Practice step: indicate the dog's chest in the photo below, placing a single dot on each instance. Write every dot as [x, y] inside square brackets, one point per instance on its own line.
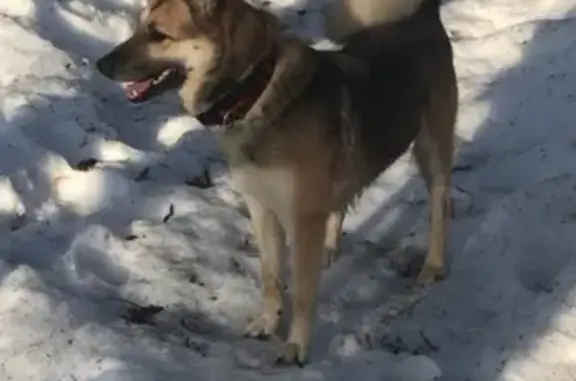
[273, 188]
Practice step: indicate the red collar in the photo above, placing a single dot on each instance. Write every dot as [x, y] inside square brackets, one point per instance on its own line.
[235, 104]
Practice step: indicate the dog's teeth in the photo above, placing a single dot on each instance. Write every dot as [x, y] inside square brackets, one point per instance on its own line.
[161, 77]
[126, 85]
[133, 94]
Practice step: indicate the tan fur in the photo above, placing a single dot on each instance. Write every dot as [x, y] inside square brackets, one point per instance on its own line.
[197, 54]
[324, 128]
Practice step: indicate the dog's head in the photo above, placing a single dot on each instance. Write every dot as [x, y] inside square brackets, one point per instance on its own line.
[190, 45]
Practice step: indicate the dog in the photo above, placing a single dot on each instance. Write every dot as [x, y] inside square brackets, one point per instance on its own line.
[305, 131]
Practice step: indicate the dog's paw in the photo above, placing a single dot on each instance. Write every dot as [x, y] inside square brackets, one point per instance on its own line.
[263, 326]
[430, 273]
[292, 354]
[330, 257]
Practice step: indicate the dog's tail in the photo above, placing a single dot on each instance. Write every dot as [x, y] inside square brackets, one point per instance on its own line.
[344, 17]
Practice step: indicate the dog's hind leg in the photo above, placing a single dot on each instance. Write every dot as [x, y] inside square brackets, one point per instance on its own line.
[436, 173]
[333, 235]
[434, 150]
[270, 239]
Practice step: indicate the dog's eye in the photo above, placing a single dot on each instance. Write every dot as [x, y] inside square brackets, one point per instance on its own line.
[156, 35]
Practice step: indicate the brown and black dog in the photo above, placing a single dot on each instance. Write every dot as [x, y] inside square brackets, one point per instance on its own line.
[305, 131]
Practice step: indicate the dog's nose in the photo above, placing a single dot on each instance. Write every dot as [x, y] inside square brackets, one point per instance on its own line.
[105, 67]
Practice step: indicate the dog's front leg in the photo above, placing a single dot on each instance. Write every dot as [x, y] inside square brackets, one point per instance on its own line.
[270, 239]
[309, 236]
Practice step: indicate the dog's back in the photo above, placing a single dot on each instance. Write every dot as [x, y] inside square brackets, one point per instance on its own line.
[397, 79]
[410, 96]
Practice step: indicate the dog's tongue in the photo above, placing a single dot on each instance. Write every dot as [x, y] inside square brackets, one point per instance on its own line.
[136, 89]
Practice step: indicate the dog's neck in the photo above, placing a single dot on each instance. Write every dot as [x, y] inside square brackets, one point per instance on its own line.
[235, 102]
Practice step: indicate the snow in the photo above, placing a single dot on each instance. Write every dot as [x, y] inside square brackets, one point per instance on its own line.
[88, 245]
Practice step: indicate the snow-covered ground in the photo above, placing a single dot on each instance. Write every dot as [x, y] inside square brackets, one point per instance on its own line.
[124, 253]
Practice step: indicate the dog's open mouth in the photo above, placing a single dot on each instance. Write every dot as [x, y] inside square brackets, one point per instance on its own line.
[145, 89]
